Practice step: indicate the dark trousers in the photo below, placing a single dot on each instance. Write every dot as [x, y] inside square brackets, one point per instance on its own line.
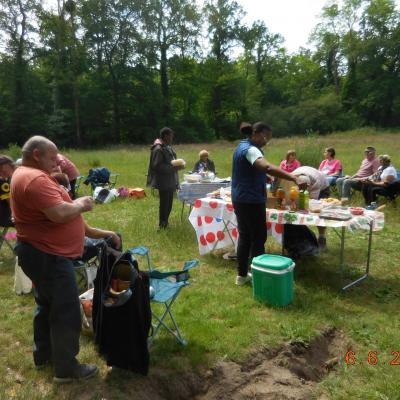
[370, 192]
[57, 319]
[166, 200]
[252, 228]
[72, 191]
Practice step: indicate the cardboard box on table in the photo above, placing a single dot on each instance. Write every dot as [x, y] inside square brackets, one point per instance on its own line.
[272, 201]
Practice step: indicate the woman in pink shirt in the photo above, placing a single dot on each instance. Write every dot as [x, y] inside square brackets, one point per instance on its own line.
[291, 163]
[66, 166]
[331, 167]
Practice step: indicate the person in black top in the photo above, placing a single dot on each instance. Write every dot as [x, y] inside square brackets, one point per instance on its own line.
[162, 175]
[204, 164]
[7, 167]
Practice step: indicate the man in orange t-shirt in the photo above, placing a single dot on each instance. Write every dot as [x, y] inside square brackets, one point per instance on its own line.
[50, 232]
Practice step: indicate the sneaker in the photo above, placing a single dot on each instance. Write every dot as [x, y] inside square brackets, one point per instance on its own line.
[242, 280]
[80, 372]
[372, 206]
[322, 243]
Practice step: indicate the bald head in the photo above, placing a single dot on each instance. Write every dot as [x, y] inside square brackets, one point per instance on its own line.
[40, 152]
[39, 143]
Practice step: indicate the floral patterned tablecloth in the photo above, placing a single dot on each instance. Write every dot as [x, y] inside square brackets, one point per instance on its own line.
[215, 223]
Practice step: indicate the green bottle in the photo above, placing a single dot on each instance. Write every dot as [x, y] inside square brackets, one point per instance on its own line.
[306, 199]
[301, 200]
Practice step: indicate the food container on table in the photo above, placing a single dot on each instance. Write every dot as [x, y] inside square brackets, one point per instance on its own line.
[192, 178]
[207, 177]
[357, 210]
[315, 206]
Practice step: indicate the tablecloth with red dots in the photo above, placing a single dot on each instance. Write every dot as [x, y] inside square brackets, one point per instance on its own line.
[215, 224]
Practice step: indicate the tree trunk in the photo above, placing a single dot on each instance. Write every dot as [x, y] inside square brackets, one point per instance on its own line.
[164, 84]
[77, 114]
[116, 110]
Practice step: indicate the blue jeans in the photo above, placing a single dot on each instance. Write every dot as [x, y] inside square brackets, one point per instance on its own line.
[57, 319]
[332, 180]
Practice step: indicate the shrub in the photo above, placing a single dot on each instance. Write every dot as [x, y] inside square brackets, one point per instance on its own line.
[309, 151]
[14, 151]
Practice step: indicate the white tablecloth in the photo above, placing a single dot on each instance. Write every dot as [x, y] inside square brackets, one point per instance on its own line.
[189, 192]
[215, 223]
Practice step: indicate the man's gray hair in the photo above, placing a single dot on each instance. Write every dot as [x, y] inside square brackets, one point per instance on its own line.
[40, 143]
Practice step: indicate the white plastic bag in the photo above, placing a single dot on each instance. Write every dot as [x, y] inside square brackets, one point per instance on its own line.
[22, 284]
[104, 195]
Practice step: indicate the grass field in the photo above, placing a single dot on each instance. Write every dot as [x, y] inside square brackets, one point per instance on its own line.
[220, 320]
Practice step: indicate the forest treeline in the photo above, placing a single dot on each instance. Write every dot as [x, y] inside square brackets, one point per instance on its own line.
[97, 72]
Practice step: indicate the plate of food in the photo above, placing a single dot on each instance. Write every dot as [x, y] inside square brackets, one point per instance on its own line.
[179, 162]
[330, 201]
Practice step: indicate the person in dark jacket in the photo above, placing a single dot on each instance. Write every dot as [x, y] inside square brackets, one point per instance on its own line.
[249, 169]
[162, 174]
[204, 164]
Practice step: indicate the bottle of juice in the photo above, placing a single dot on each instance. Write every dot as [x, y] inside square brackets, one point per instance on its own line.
[280, 194]
[294, 198]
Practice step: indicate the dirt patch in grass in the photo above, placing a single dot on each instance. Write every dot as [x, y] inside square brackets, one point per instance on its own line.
[291, 372]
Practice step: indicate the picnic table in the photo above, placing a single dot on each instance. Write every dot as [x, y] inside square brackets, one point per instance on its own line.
[215, 224]
[189, 192]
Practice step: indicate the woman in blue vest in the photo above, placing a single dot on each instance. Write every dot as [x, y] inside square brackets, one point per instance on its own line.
[249, 169]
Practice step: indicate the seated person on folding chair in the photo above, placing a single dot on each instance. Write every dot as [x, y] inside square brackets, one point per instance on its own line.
[330, 166]
[378, 182]
[7, 168]
[369, 166]
[67, 167]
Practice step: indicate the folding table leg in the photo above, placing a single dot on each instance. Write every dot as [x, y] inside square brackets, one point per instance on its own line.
[357, 281]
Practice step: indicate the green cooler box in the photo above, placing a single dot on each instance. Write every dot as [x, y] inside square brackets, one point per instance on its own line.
[273, 279]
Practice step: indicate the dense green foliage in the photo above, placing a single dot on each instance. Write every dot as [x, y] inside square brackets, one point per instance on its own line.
[98, 71]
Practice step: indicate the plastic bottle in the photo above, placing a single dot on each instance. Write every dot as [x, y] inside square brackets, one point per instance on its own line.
[301, 200]
[294, 198]
[280, 194]
[306, 199]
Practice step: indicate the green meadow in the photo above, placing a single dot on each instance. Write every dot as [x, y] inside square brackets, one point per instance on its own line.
[220, 320]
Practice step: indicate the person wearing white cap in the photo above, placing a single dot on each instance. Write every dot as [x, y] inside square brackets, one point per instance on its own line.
[318, 187]
[368, 166]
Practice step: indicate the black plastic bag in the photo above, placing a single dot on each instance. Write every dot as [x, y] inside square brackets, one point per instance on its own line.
[299, 241]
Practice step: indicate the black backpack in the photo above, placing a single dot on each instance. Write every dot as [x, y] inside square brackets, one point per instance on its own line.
[299, 241]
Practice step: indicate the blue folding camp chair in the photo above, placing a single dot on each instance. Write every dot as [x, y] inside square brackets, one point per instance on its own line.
[164, 289]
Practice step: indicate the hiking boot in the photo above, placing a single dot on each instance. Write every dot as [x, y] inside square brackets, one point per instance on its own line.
[322, 243]
[80, 372]
[242, 280]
